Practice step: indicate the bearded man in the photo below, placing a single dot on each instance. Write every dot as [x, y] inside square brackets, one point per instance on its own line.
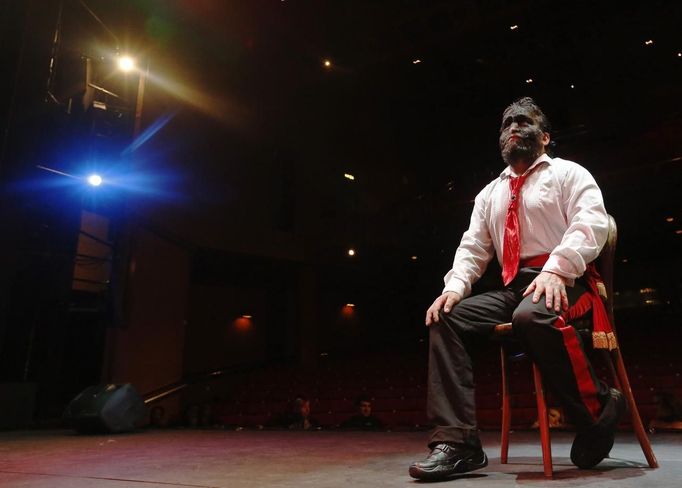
[544, 219]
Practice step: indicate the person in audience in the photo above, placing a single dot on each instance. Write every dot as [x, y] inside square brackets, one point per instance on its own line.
[544, 219]
[363, 420]
[555, 417]
[300, 418]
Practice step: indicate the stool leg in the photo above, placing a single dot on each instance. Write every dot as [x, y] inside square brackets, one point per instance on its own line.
[543, 422]
[506, 410]
[634, 412]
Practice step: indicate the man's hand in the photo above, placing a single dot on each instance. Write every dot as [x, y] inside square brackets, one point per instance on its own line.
[446, 301]
[553, 287]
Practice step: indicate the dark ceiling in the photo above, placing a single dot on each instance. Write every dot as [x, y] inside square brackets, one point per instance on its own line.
[410, 105]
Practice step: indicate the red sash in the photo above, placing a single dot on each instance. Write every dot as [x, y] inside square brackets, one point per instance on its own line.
[603, 336]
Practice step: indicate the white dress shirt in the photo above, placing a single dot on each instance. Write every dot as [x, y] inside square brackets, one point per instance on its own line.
[561, 213]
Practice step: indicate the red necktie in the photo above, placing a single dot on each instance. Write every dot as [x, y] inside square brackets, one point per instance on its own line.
[512, 240]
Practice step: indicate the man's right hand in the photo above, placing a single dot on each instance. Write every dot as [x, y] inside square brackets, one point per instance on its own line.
[446, 301]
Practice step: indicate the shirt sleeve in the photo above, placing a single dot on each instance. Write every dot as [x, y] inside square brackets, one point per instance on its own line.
[473, 254]
[588, 225]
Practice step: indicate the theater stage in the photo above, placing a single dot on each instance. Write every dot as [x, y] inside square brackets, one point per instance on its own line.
[221, 458]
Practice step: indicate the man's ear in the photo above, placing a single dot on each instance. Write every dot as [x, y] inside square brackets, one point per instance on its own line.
[545, 139]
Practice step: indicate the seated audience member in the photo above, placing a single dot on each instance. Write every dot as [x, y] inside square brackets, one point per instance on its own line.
[296, 418]
[300, 416]
[555, 418]
[364, 420]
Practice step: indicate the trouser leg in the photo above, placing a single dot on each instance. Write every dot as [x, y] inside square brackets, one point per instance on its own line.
[557, 349]
[450, 402]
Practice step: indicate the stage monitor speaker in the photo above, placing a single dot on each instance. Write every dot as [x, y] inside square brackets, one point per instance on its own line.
[105, 409]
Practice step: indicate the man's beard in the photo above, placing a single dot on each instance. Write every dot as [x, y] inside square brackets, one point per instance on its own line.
[527, 148]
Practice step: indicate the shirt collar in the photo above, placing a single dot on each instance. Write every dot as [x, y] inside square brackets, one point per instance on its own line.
[544, 157]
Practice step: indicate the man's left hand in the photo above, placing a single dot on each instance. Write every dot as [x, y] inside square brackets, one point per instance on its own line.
[553, 287]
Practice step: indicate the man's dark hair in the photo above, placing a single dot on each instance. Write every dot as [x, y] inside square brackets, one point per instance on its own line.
[362, 398]
[530, 105]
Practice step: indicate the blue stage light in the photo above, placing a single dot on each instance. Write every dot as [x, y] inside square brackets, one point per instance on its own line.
[95, 180]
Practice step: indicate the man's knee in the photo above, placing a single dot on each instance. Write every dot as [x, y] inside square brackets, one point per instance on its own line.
[453, 318]
[448, 322]
[531, 315]
[523, 319]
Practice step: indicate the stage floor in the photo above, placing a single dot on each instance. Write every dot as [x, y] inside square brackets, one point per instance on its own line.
[226, 459]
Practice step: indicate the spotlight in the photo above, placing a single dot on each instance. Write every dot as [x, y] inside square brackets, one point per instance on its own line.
[327, 63]
[351, 252]
[94, 180]
[126, 63]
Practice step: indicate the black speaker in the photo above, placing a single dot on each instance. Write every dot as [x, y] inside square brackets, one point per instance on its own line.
[105, 409]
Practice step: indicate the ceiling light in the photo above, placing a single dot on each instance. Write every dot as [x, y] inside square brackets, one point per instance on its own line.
[649, 42]
[351, 252]
[126, 63]
[349, 176]
[416, 61]
[327, 63]
[529, 80]
[514, 27]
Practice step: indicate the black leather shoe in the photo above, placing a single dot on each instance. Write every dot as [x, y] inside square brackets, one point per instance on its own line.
[593, 444]
[447, 460]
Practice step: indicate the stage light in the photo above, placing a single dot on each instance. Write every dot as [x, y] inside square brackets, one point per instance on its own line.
[95, 180]
[678, 231]
[514, 27]
[351, 305]
[572, 86]
[649, 42]
[413, 258]
[416, 61]
[669, 219]
[529, 80]
[351, 252]
[349, 176]
[327, 63]
[126, 63]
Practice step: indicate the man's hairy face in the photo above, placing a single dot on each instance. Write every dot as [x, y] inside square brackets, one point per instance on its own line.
[520, 136]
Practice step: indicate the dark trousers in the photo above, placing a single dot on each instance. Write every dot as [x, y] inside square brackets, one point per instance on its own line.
[551, 343]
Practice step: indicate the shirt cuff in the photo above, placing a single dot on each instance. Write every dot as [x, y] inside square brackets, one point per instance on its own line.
[456, 285]
[561, 266]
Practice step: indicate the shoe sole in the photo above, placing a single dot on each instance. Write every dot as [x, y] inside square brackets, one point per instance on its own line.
[444, 472]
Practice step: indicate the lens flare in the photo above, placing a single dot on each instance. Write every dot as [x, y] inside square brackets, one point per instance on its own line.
[95, 180]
